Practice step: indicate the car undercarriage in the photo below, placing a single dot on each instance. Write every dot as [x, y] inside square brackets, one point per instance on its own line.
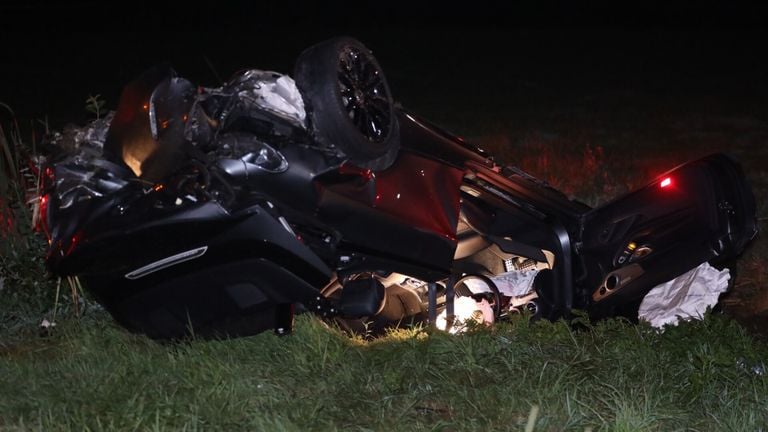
[224, 211]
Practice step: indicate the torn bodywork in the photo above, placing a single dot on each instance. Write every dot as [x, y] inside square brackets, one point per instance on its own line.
[217, 211]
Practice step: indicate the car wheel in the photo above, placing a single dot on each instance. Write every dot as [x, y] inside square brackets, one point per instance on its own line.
[348, 101]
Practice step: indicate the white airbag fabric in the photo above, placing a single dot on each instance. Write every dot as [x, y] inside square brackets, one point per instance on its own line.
[686, 296]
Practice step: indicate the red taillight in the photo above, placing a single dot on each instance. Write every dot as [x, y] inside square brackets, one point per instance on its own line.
[42, 223]
[666, 182]
[73, 242]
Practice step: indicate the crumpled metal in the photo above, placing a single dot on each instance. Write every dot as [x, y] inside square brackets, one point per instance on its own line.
[93, 134]
[269, 91]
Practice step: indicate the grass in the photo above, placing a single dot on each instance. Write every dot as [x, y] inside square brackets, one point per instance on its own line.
[89, 374]
[25, 290]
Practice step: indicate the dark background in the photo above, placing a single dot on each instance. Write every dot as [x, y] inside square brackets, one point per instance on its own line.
[53, 56]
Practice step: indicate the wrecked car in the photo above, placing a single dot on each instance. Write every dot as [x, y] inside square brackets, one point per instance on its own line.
[224, 211]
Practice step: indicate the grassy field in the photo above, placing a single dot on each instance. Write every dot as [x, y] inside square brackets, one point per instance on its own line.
[91, 375]
[88, 374]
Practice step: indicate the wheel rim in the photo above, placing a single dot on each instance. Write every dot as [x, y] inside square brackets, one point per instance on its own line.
[364, 94]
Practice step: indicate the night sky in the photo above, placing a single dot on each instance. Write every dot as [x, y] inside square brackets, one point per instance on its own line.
[53, 57]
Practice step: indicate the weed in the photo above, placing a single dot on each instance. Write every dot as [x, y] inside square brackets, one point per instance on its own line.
[95, 105]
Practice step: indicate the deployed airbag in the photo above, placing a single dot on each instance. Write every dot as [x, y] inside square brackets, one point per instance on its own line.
[686, 296]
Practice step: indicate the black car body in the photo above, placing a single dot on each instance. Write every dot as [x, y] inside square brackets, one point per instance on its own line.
[233, 213]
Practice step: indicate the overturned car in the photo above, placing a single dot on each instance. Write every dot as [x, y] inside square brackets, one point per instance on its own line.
[221, 211]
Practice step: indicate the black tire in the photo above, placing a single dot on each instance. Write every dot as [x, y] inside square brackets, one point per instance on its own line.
[348, 102]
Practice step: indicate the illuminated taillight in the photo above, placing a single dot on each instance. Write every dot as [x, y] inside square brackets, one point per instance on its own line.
[666, 182]
[42, 222]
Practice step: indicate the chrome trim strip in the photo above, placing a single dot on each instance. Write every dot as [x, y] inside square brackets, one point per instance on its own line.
[167, 262]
